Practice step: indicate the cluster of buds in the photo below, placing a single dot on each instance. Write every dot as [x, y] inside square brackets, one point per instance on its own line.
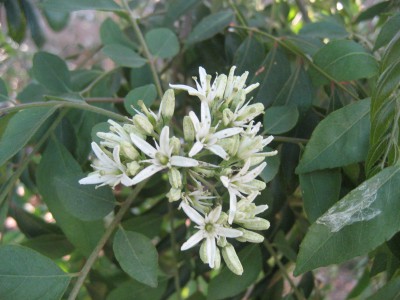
[220, 153]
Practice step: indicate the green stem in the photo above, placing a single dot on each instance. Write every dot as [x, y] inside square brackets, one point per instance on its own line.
[103, 240]
[302, 55]
[283, 270]
[97, 80]
[286, 139]
[10, 183]
[65, 103]
[173, 244]
[143, 43]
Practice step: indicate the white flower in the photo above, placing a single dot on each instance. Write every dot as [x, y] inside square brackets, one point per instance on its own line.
[237, 83]
[209, 230]
[107, 171]
[243, 182]
[247, 210]
[198, 199]
[161, 156]
[205, 137]
[116, 136]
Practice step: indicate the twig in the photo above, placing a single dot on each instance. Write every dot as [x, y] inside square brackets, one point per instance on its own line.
[104, 99]
[173, 244]
[97, 80]
[103, 240]
[303, 10]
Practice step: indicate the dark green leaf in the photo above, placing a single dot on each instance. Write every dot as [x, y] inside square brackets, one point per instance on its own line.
[73, 5]
[320, 190]
[100, 127]
[248, 56]
[3, 91]
[344, 60]
[162, 42]
[272, 167]
[146, 93]
[52, 72]
[51, 245]
[32, 18]
[324, 29]
[176, 8]
[57, 20]
[149, 224]
[16, 22]
[210, 26]
[355, 225]
[373, 11]
[340, 139]
[83, 201]
[227, 284]
[140, 290]
[389, 291]
[388, 31]
[25, 274]
[280, 119]
[110, 33]
[33, 92]
[137, 256]
[303, 44]
[20, 129]
[124, 56]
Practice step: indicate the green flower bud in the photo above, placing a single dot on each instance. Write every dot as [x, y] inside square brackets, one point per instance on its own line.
[250, 112]
[129, 128]
[238, 100]
[175, 143]
[232, 260]
[188, 129]
[147, 112]
[220, 86]
[143, 124]
[250, 236]
[230, 145]
[257, 184]
[129, 151]
[227, 116]
[205, 172]
[256, 224]
[174, 194]
[175, 178]
[222, 242]
[204, 256]
[223, 218]
[133, 168]
[167, 105]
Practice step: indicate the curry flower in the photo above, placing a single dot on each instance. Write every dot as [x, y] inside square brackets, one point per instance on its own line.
[244, 182]
[209, 229]
[108, 171]
[160, 157]
[205, 135]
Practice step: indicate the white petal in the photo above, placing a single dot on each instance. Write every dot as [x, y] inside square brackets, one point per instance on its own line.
[245, 168]
[193, 240]
[144, 146]
[192, 214]
[251, 87]
[196, 149]
[232, 205]
[225, 181]
[267, 140]
[203, 76]
[125, 180]
[260, 208]
[213, 216]
[92, 178]
[101, 155]
[211, 251]
[189, 89]
[181, 161]
[164, 140]
[218, 150]
[228, 232]
[253, 173]
[205, 115]
[116, 155]
[145, 173]
[195, 121]
[227, 132]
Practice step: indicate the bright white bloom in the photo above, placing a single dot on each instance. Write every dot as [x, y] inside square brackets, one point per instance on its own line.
[161, 156]
[205, 135]
[107, 171]
[243, 182]
[237, 83]
[209, 229]
[246, 209]
[200, 199]
[116, 136]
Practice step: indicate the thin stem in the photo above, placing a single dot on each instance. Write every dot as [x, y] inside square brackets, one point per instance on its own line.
[173, 244]
[103, 240]
[97, 80]
[280, 42]
[303, 10]
[17, 173]
[143, 43]
[104, 99]
[65, 103]
[282, 268]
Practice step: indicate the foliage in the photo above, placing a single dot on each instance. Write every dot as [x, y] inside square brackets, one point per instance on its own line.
[329, 79]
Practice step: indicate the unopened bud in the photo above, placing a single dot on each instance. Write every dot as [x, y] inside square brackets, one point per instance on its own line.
[143, 124]
[223, 218]
[175, 178]
[222, 242]
[230, 145]
[167, 105]
[204, 256]
[250, 112]
[129, 151]
[174, 194]
[257, 184]
[227, 116]
[129, 128]
[133, 168]
[188, 129]
[221, 85]
[250, 236]
[175, 144]
[232, 260]
[149, 114]
[205, 172]
[256, 224]
[238, 100]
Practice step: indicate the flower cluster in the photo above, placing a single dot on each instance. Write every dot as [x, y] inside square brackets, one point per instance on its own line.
[220, 153]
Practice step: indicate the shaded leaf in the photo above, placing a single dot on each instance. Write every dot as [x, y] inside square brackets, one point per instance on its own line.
[280, 119]
[176, 8]
[389, 291]
[140, 290]
[50, 245]
[146, 93]
[272, 167]
[248, 56]
[324, 29]
[388, 31]
[148, 225]
[3, 91]
[110, 33]
[73, 5]
[373, 11]
[33, 92]
[162, 42]
[124, 56]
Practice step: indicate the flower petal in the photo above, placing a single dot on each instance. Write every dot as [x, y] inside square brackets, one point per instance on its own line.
[228, 232]
[164, 140]
[218, 150]
[211, 251]
[192, 214]
[196, 148]
[125, 180]
[92, 178]
[227, 132]
[232, 205]
[195, 121]
[145, 173]
[144, 146]
[181, 161]
[189, 89]
[213, 215]
[253, 173]
[193, 240]
[101, 155]
[205, 115]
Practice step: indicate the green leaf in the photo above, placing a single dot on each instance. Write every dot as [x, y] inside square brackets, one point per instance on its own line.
[137, 256]
[25, 274]
[20, 129]
[272, 167]
[210, 26]
[320, 190]
[357, 224]
[16, 22]
[248, 56]
[141, 291]
[148, 225]
[344, 60]
[83, 201]
[57, 161]
[227, 284]
[176, 8]
[146, 93]
[100, 127]
[324, 29]
[389, 291]
[33, 92]
[110, 33]
[162, 42]
[34, 25]
[373, 11]
[3, 91]
[57, 20]
[73, 5]
[340, 139]
[124, 56]
[280, 119]
[51, 245]
[388, 31]
[52, 72]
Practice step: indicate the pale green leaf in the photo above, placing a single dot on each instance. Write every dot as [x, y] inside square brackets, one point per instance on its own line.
[162, 42]
[146, 93]
[141, 291]
[73, 5]
[388, 31]
[124, 56]
[280, 119]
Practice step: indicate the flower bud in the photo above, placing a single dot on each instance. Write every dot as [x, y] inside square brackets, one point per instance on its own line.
[232, 260]
[129, 128]
[188, 129]
[257, 184]
[250, 112]
[222, 242]
[223, 218]
[133, 168]
[250, 236]
[204, 256]
[205, 172]
[175, 144]
[129, 151]
[238, 100]
[149, 114]
[175, 178]
[143, 124]
[230, 145]
[167, 105]
[174, 194]
[227, 116]
[220, 86]
[256, 224]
